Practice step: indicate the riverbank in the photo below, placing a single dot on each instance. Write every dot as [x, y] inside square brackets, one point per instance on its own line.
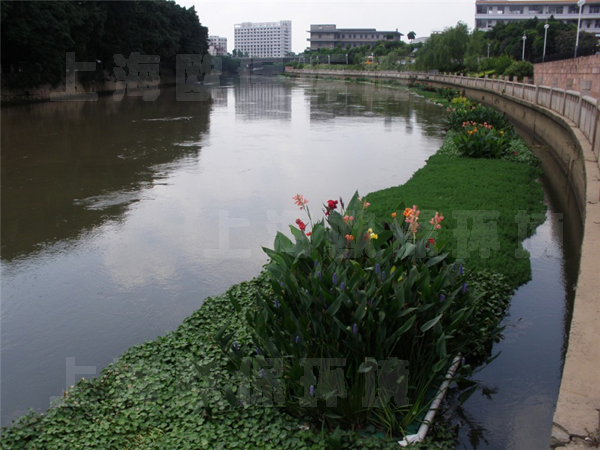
[152, 396]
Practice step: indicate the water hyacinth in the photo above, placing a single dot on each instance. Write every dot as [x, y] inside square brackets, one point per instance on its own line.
[334, 279]
[236, 346]
[343, 286]
[464, 288]
[276, 303]
[382, 276]
[262, 373]
[312, 390]
[319, 275]
[316, 263]
[460, 270]
[297, 339]
[258, 350]
[355, 328]
[377, 268]
[442, 297]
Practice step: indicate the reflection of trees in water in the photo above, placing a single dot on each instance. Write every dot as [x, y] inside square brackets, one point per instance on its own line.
[68, 167]
[330, 99]
[263, 98]
[455, 414]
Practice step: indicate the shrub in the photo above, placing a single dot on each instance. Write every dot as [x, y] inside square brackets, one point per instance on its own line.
[478, 114]
[520, 69]
[481, 140]
[461, 102]
[358, 295]
[447, 93]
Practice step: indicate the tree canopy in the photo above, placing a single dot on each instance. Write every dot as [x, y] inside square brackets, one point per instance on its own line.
[37, 35]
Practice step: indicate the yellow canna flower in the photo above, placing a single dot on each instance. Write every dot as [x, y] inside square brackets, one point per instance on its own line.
[374, 236]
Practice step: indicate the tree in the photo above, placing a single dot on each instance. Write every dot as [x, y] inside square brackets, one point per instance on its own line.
[445, 51]
[37, 35]
[411, 36]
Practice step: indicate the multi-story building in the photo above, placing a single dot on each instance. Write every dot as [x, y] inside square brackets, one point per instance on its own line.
[490, 12]
[217, 45]
[329, 36]
[265, 39]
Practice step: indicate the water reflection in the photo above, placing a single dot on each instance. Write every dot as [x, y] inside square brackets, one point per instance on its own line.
[268, 98]
[68, 167]
[120, 218]
[514, 409]
[331, 99]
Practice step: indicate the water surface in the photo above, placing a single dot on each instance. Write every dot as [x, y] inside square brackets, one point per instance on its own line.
[119, 218]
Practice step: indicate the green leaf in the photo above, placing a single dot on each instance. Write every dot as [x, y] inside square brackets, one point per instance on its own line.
[431, 323]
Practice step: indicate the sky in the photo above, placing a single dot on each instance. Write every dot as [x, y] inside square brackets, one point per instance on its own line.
[422, 17]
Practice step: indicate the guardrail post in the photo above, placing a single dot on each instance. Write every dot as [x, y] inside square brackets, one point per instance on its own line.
[580, 107]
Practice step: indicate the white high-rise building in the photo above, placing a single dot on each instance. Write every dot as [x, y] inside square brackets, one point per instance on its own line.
[264, 39]
[217, 45]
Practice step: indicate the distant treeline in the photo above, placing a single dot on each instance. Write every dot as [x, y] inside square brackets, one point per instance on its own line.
[36, 35]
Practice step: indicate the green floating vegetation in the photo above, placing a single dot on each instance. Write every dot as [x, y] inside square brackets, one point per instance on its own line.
[174, 392]
[154, 397]
[490, 206]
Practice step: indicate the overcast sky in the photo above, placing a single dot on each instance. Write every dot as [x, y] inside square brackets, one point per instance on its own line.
[422, 17]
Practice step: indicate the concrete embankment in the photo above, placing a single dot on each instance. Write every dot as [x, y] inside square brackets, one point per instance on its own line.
[569, 124]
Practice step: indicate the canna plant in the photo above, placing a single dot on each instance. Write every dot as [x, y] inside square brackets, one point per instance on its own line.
[361, 300]
[481, 140]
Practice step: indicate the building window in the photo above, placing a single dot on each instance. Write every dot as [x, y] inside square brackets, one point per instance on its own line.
[516, 10]
[573, 9]
[594, 9]
[535, 9]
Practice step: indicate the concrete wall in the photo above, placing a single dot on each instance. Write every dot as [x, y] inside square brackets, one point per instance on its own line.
[579, 74]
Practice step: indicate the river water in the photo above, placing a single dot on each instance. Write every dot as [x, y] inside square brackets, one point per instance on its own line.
[120, 217]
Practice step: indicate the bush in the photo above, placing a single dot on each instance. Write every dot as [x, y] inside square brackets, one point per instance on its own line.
[461, 102]
[480, 140]
[520, 69]
[478, 114]
[357, 295]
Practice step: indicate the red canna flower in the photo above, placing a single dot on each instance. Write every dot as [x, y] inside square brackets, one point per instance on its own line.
[301, 225]
[332, 204]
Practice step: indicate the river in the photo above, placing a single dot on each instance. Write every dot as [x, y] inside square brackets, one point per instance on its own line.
[120, 217]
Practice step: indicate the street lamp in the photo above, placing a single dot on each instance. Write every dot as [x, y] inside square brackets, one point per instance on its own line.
[524, 39]
[545, 39]
[580, 3]
[489, 50]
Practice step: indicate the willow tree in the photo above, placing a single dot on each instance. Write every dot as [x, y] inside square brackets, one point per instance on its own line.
[445, 51]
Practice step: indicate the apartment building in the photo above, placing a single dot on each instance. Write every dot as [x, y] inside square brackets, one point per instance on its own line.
[490, 12]
[264, 39]
[329, 36]
[217, 45]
